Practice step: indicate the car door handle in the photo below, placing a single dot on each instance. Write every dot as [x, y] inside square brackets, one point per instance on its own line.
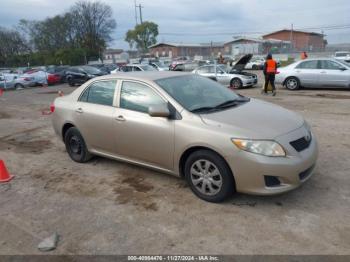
[120, 118]
[323, 72]
[79, 110]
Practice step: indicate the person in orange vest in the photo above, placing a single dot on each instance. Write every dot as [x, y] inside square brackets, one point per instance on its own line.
[303, 55]
[270, 69]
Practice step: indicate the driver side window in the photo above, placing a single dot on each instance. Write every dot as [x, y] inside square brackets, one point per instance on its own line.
[330, 65]
[138, 97]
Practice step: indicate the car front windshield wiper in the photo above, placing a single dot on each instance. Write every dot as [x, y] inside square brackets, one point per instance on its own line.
[226, 104]
[233, 102]
[203, 109]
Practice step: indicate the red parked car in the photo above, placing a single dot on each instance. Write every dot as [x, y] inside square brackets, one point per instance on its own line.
[53, 78]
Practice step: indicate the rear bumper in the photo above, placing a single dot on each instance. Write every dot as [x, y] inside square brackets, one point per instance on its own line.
[250, 170]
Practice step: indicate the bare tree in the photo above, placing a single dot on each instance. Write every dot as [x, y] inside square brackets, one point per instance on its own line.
[93, 24]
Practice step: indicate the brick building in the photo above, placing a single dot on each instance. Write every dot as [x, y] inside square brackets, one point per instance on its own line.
[179, 49]
[301, 41]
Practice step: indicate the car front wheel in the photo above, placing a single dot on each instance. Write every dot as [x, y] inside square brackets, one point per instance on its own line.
[76, 146]
[209, 176]
[236, 83]
[292, 83]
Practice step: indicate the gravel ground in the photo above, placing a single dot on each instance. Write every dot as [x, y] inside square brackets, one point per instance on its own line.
[108, 207]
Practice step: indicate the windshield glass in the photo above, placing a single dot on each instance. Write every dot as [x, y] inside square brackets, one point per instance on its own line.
[347, 65]
[147, 68]
[91, 70]
[342, 54]
[194, 92]
[159, 64]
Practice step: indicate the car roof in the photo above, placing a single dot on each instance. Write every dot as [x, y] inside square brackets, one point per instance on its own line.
[143, 75]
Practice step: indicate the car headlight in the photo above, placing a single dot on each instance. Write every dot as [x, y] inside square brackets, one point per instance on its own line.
[261, 147]
[246, 77]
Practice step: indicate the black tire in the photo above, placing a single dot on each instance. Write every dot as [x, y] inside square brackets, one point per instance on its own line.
[76, 146]
[292, 83]
[19, 86]
[236, 83]
[220, 193]
[70, 81]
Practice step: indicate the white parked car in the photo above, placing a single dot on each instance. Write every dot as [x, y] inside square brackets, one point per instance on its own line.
[160, 66]
[315, 73]
[256, 63]
[136, 68]
[343, 56]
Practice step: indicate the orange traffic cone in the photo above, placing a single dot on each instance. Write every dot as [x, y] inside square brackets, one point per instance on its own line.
[4, 174]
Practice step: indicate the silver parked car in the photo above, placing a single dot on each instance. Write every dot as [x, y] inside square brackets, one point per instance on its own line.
[220, 74]
[189, 126]
[321, 72]
[8, 81]
[136, 68]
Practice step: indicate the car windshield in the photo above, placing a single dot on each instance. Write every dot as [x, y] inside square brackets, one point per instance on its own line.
[194, 92]
[147, 68]
[342, 54]
[159, 64]
[347, 65]
[91, 70]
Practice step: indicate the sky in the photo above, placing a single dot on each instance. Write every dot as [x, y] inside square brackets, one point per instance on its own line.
[190, 21]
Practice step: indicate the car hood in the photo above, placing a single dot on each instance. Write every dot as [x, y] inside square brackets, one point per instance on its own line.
[242, 62]
[255, 119]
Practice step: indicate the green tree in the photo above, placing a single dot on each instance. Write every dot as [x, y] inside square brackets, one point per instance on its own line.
[142, 36]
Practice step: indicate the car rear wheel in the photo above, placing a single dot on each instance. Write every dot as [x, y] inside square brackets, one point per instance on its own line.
[292, 83]
[236, 83]
[209, 176]
[19, 86]
[70, 81]
[76, 146]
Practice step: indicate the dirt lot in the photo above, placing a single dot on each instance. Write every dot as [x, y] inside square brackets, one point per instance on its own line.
[108, 207]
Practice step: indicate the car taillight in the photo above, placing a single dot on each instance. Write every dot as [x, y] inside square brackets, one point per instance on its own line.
[52, 107]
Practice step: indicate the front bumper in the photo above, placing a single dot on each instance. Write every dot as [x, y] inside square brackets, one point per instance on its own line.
[249, 82]
[250, 170]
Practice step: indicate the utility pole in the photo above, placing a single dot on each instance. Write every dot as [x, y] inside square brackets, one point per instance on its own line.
[291, 38]
[135, 11]
[140, 9]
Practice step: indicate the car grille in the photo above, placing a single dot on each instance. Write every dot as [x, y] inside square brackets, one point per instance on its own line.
[301, 143]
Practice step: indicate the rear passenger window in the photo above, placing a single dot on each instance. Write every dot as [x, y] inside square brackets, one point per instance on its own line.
[101, 93]
[308, 65]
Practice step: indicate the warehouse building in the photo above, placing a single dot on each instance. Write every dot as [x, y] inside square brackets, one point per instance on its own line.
[241, 46]
[301, 41]
[180, 49]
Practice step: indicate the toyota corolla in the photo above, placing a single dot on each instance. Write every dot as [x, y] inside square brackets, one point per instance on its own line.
[189, 126]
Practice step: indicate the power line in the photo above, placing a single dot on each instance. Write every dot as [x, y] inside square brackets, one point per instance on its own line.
[325, 27]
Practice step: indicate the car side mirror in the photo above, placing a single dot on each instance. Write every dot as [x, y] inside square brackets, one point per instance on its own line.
[160, 110]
